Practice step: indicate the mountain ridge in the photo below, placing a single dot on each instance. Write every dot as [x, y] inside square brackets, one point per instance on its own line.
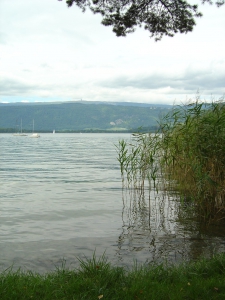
[81, 115]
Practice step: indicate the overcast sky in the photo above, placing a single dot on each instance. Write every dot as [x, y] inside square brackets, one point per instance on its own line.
[49, 52]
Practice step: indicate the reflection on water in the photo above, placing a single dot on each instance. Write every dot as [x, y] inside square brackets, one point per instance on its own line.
[61, 197]
[152, 226]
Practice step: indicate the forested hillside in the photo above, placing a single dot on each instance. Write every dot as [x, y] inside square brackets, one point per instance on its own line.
[79, 116]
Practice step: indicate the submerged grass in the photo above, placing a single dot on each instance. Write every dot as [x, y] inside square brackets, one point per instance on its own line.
[98, 279]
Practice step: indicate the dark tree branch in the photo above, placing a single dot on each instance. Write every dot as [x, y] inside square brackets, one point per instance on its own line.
[159, 17]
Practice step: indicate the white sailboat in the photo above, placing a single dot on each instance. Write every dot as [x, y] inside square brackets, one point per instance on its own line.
[34, 135]
[21, 131]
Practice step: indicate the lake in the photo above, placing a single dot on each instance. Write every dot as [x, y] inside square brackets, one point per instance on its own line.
[61, 197]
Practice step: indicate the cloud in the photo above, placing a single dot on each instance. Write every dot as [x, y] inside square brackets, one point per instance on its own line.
[189, 81]
[49, 50]
[45, 66]
[3, 38]
[9, 86]
[12, 86]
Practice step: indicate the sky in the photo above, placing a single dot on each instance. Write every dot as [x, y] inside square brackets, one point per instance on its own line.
[49, 52]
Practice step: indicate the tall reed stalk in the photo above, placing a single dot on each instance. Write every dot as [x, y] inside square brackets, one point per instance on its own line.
[189, 151]
[139, 160]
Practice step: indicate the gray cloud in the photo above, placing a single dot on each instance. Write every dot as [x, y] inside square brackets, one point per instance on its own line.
[9, 87]
[191, 80]
[16, 87]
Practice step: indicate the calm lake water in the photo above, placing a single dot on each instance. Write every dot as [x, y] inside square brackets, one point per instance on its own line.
[61, 198]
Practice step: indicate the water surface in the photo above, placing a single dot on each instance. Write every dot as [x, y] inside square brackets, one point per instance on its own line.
[61, 197]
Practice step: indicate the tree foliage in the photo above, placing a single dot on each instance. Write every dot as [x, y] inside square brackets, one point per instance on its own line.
[159, 17]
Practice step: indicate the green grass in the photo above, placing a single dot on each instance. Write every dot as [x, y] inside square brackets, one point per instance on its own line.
[98, 279]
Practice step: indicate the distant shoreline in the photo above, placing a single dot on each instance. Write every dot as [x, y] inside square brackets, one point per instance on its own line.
[141, 130]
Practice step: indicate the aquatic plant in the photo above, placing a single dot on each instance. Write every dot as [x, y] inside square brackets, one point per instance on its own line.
[186, 154]
[139, 159]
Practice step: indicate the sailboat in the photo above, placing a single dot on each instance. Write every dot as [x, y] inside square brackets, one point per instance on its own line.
[34, 135]
[21, 131]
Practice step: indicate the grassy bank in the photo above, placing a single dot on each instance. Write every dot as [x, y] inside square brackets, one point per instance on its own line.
[98, 279]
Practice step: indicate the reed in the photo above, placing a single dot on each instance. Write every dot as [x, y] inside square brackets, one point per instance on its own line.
[139, 160]
[194, 156]
[186, 154]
